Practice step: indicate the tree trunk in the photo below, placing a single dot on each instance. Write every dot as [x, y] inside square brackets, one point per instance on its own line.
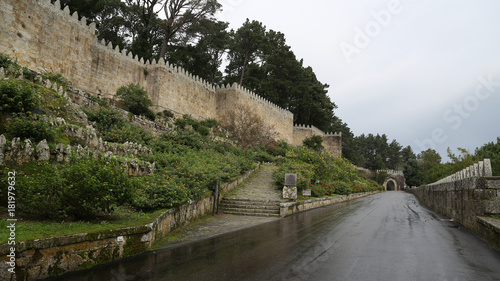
[163, 49]
[243, 69]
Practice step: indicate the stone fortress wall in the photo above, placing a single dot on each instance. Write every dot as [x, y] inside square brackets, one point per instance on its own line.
[332, 142]
[42, 35]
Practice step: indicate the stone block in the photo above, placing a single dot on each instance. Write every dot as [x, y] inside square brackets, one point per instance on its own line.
[43, 151]
[488, 172]
[481, 168]
[290, 193]
[492, 207]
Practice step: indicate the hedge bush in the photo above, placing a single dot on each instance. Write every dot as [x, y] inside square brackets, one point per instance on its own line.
[187, 166]
[113, 127]
[25, 127]
[322, 172]
[19, 96]
[136, 100]
[80, 190]
[190, 174]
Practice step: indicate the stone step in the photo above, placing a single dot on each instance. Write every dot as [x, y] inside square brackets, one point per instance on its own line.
[249, 206]
[251, 201]
[243, 213]
[251, 210]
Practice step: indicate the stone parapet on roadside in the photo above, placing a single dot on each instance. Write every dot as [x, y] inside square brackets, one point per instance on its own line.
[290, 208]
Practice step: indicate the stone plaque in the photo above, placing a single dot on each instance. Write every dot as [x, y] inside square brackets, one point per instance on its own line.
[291, 179]
[306, 192]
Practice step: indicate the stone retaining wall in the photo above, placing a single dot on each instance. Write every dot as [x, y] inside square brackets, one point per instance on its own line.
[291, 208]
[43, 258]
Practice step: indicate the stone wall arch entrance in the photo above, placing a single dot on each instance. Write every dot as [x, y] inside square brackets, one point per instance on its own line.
[395, 180]
[391, 184]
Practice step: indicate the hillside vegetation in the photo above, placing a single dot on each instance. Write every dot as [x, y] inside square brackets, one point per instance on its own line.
[94, 188]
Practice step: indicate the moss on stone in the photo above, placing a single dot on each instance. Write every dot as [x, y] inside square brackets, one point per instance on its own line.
[85, 265]
[134, 246]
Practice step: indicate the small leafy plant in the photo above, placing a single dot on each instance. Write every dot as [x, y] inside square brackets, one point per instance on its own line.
[26, 127]
[136, 100]
[19, 96]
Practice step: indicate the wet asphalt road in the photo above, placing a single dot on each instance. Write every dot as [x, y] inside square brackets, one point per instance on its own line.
[387, 236]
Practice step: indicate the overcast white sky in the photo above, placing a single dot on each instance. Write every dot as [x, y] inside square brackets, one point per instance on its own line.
[409, 69]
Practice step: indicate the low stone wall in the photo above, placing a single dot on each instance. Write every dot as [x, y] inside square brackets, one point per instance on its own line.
[490, 230]
[291, 208]
[462, 200]
[19, 152]
[43, 258]
[470, 197]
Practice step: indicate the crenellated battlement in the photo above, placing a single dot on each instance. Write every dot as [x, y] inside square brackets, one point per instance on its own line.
[256, 97]
[320, 132]
[391, 172]
[479, 169]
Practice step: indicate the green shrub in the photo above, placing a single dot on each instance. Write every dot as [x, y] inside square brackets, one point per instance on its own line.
[159, 192]
[9, 64]
[314, 142]
[25, 127]
[304, 171]
[28, 74]
[181, 123]
[57, 78]
[336, 174]
[136, 100]
[342, 188]
[166, 113]
[380, 177]
[128, 132]
[6, 61]
[105, 118]
[279, 150]
[259, 154]
[113, 127]
[81, 190]
[209, 123]
[18, 96]
[320, 190]
[202, 127]
[186, 176]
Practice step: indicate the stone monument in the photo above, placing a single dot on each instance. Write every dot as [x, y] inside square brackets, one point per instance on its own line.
[290, 188]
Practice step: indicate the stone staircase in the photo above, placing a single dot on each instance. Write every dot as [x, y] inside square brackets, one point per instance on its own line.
[250, 207]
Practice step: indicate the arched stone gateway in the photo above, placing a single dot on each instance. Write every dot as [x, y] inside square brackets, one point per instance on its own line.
[391, 184]
[394, 181]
